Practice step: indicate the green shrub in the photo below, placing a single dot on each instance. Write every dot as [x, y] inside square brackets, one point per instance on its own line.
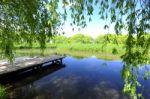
[3, 93]
[80, 38]
[114, 51]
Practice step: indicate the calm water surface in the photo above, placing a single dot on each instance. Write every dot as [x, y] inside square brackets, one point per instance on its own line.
[86, 78]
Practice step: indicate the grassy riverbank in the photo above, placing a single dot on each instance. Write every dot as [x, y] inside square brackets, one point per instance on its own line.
[109, 46]
[108, 51]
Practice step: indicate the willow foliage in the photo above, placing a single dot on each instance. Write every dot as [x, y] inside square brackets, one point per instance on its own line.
[26, 21]
[30, 20]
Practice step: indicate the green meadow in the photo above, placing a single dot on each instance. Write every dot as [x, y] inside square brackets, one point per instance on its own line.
[109, 46]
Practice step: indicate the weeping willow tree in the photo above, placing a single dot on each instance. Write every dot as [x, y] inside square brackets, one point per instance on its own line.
[26, 21]
[38, 20]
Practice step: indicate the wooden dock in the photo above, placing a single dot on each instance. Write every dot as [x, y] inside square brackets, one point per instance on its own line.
[33, 63]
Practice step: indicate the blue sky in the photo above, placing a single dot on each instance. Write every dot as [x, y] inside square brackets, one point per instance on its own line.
[93, 29]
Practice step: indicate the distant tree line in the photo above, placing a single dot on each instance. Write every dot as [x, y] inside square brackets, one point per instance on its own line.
[101, 39]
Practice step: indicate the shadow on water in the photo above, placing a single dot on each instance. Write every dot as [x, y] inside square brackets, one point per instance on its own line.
[31, 75]
[87, 78]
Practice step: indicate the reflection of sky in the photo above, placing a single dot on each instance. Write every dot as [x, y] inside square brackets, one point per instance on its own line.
[87, 78]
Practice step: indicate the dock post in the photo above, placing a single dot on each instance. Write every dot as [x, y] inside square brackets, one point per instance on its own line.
[53, 62]
[61, 61]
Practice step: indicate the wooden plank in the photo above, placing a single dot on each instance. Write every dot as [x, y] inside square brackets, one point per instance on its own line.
[28, 64]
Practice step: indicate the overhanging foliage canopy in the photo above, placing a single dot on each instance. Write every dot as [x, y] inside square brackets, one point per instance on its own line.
[23, 19]
[30, 20]
[26, 20]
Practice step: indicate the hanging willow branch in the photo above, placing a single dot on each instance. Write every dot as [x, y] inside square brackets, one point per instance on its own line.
[37, 20]
[26, 21]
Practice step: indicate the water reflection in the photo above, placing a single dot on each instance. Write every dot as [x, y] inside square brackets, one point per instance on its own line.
[87, 78]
